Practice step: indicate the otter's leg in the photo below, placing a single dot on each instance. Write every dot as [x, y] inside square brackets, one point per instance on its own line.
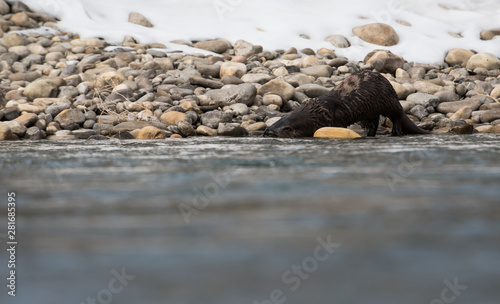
[372, 126]
[397, 126]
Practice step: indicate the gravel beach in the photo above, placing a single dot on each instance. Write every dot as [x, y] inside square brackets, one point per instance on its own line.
[55, 85]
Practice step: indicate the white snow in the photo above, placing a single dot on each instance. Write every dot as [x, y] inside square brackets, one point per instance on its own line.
[277, 24]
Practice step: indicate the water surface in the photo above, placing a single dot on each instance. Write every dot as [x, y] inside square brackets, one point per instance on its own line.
[225, 220]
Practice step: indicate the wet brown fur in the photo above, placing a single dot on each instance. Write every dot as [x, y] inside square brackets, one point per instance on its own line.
[361, 97]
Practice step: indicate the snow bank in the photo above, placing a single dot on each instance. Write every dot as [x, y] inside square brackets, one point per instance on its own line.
[278, 24]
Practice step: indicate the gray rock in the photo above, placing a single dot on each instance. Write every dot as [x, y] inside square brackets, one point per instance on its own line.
[16, 128]
[68, 91]
[186, 129]
[231, 129]
[207, 83]
[407, 105]
[34, 133]
[129, 126]
[213, 118]
[9, 57]
[216, 46]
[243, 93]
[5, 131]
[336, 62]
[208, 70]
[41, 88]
[447, 95]
[10, 113]
[260, 78]
[28, 76]
[338, 41]
[454, 106]
[423, 99]
[490, 115]
[318, 71]
[4, 8]
[229, 79]
[313, 90]
[238, 109]
[70, 119]
[483, 88]
[89, 124]
[244, 48]
[419, 111]
[84, 133]
[58, 107]
[417, 73]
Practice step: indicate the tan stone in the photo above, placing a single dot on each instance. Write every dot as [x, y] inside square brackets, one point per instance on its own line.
[5, 131]
[377, 33]
[458, 57]
[336, 133]
[172, 118]
[151, 132]
[139, 19]
[175, 136]
[278, 87]
[230, 68]
[206, 131]
[464, 113]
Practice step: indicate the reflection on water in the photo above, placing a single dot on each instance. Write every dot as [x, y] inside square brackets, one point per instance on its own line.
[238, 220]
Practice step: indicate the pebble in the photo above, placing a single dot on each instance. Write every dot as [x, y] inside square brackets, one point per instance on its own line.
[236, 69]
[318, 71]
[377, 33]
[454, 106]
[83, 133]
[336, 133]
[206, 131]
[483, 60]
[338, 41]
[231, 129]
[41, 88]
[139, 19]
[313, 90]
[242, 93]
[244, 48]
[278, 87]
[34, 133]
[70, 119]
[172, 118]
[217, 46]
[5, 131]
[214, 118]
[150, 132]
[458, 57]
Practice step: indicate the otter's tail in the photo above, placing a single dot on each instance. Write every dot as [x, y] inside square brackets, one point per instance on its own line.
[409, 127]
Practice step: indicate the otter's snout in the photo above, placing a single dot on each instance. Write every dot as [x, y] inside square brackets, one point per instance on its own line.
[269, 133]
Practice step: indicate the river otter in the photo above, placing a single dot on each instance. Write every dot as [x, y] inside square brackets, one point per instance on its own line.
[361, 97]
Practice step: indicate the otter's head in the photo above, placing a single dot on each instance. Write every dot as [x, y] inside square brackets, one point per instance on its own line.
[296, 124]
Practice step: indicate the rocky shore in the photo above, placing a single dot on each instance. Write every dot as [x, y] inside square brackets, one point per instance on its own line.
[56, 86]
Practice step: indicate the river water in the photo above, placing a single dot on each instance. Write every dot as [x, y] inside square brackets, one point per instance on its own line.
[254, 220]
